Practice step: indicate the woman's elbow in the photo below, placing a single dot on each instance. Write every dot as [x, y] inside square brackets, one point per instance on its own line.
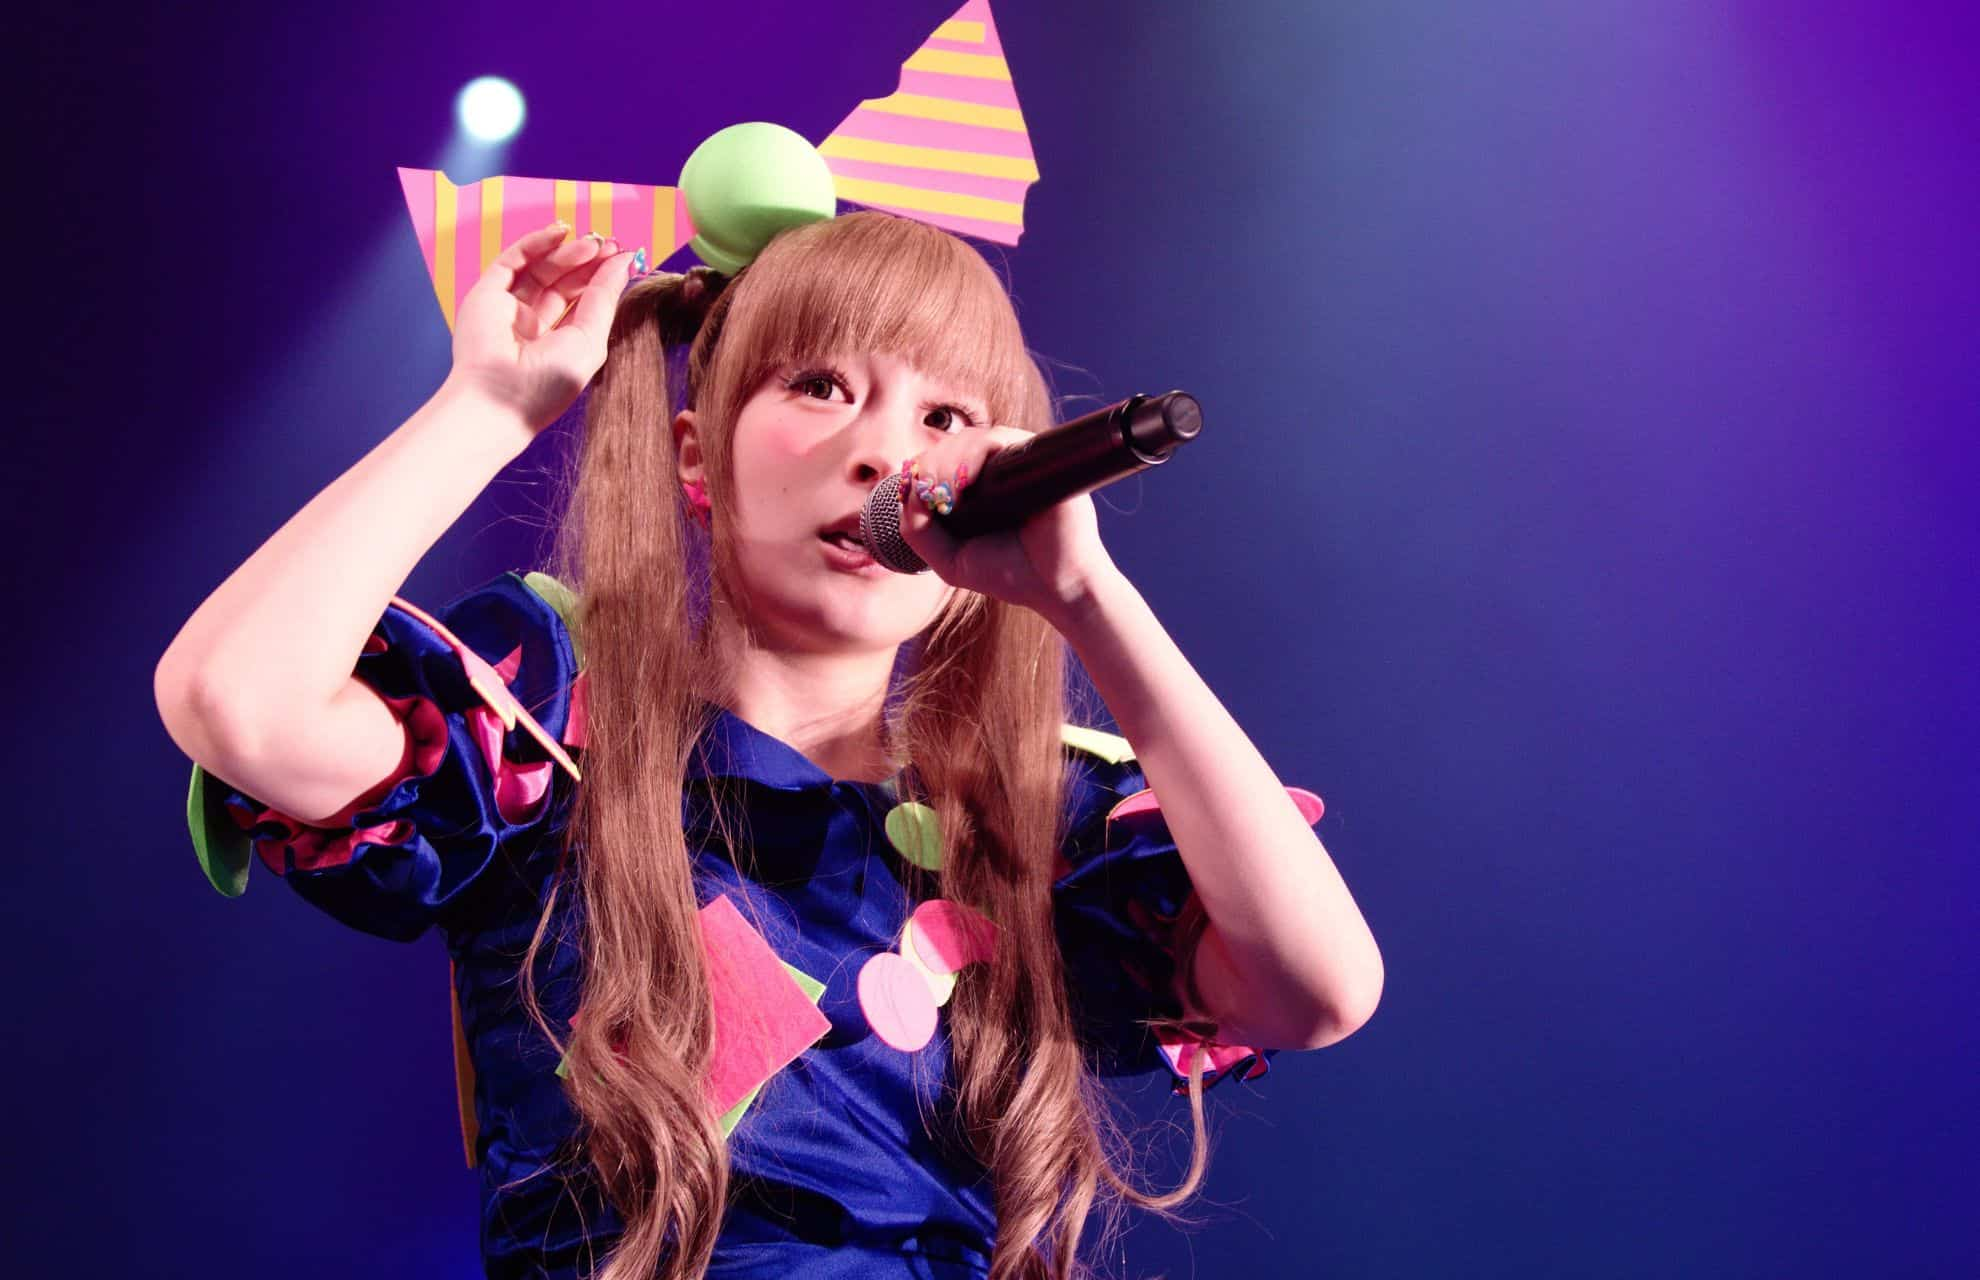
[1359, 1002]
[1341, 1009]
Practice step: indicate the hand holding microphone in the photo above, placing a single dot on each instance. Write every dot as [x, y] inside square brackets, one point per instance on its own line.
[1022, 480]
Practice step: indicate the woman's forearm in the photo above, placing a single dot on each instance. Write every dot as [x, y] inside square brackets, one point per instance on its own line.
[280, 634]
[1288, 960]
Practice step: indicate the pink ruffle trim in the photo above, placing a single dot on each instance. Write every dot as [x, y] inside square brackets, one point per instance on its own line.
[1219, 1060]
[520, 789]
[491, 683]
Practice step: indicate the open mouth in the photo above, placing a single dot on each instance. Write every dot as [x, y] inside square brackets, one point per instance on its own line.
[848, 541]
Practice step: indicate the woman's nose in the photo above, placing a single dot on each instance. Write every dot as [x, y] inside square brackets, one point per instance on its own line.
[883, 440]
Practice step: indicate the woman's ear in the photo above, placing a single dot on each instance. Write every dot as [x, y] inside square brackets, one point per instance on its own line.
[687, 449]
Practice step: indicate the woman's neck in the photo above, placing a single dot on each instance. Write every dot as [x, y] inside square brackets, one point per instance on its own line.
[826, 706]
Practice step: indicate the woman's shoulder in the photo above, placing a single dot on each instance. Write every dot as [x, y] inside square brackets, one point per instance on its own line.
[1100, 772]
[502, 654]
[511, 642]
[490, 690]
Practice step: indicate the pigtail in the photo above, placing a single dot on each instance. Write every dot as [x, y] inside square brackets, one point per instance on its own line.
[639, 1049]
[981, 719]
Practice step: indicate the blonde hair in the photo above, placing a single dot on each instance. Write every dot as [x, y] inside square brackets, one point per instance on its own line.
[979, 718]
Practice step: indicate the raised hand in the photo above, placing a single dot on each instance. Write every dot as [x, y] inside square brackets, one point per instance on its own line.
[532, 331]
[1050, 563]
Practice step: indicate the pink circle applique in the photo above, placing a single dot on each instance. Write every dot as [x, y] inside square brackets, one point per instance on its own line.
[896, 1002]
[1145, 801]
[940, 985]
[1142, 801]
[947, 935]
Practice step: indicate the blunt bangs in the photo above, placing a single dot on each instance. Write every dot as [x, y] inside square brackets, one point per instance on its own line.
[874, 283]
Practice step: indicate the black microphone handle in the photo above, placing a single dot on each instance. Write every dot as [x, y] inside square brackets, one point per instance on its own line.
[1073, 458]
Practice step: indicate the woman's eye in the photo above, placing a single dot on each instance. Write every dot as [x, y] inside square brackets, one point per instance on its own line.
[947, 418]
[816, 385]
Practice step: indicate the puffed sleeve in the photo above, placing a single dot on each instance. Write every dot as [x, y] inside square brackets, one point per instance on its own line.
[492, 701]
[1121, 902]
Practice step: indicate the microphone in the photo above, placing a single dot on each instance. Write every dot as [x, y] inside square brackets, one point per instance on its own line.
[1020, 481]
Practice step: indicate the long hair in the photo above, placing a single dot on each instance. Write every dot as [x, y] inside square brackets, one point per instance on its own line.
[977, 715]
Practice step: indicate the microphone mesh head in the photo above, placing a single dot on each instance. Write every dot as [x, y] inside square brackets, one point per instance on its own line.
[880, 528]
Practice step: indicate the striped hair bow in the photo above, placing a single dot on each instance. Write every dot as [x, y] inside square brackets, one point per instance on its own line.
[947, 147]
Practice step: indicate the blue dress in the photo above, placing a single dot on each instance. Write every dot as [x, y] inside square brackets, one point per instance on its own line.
[834, 1170]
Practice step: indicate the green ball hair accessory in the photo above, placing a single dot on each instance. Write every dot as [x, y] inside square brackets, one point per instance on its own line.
[747, 183]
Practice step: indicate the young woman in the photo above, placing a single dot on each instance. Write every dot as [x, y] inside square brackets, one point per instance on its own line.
[723, 743]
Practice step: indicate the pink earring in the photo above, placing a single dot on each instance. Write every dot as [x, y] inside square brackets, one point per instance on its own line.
[697, 498]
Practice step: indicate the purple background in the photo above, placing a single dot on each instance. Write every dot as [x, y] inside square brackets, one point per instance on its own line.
[1587, 511]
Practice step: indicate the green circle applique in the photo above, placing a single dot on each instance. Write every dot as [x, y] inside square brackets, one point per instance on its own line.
[224, 849]
[916, 835]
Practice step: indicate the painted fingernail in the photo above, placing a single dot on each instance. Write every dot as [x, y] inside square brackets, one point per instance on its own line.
[639, 263]
[962, 478]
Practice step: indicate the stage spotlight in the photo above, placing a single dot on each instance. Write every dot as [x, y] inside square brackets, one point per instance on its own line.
[490, 109]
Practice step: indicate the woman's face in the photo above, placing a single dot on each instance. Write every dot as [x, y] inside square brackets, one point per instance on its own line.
[809, 446]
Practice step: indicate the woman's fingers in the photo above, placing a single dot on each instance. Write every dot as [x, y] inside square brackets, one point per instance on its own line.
[959, 459]
[549, 304]
[599, 300]
[512, 261]
[537, 261]
[1042, 563]
[557, 296]
[549, 271]
[941, 476]
[552, 303]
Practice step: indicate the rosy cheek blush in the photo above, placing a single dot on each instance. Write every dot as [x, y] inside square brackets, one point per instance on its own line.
[896, 1002]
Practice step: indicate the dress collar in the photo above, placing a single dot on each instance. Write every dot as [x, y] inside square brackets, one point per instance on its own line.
[731, 747]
